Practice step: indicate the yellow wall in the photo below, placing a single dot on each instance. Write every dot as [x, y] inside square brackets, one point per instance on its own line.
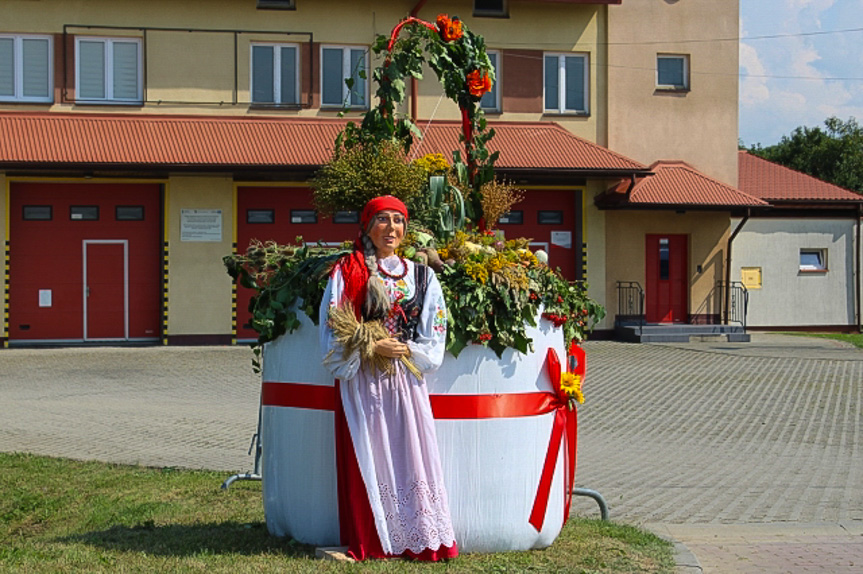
[700, 126]
[625, 233]
[594, 236]
[199, 289]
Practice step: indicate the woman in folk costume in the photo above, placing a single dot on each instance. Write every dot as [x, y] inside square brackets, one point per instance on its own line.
[383, 323]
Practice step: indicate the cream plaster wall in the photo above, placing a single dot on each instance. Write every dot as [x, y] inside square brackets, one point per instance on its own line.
[597, 265]
[625, 251]
[699, 126]
[789, 297]
[199, 289]
[551, 27]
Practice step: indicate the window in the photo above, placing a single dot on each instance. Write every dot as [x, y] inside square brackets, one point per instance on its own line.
[346, 217]
[129, 213]
[37, 213]
[275, 74]
[490, 101]
[566, 83]
[277, 5]
[339, 64]
[497, 8]
[672, 72]
[511, 218]
[108, 70]
[25, 69]
[260, 216]
[813, 260]
[84, 212]
[549, 217]
[303, 216]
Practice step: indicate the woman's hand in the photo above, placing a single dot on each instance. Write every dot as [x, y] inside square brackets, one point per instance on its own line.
[392, 348]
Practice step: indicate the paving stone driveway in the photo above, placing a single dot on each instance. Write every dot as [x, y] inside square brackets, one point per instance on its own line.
[690, 437]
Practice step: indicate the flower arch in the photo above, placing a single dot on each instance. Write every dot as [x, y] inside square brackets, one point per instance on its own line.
[458, 58]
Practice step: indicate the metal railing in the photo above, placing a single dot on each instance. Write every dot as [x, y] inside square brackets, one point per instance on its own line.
[733, 302]
[630, 302]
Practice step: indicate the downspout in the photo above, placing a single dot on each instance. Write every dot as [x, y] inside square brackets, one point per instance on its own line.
[414, 81]
[728, 262]
[859, 261]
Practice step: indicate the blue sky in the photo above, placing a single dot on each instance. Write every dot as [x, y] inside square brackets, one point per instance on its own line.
[786, 82]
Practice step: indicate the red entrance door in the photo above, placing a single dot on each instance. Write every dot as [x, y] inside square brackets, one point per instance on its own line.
[105, 290]
[667, 286]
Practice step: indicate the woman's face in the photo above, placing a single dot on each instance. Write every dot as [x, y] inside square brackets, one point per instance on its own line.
[386, 230]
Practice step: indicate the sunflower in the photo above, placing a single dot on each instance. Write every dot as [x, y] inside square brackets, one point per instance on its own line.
[570, 383]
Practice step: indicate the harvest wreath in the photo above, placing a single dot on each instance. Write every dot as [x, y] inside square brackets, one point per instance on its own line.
[494, 287]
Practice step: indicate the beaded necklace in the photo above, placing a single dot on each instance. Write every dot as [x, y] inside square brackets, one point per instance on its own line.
[391, 275]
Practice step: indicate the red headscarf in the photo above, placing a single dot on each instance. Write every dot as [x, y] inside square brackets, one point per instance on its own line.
[379, 204]
[355, 274]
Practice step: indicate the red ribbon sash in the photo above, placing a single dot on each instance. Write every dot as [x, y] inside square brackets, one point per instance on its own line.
[510, 405]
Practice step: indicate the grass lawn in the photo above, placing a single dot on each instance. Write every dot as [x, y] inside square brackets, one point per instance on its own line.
[855, 339]
[59, 515]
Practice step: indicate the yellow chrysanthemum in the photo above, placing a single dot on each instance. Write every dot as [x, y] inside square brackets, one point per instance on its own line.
[570, 383]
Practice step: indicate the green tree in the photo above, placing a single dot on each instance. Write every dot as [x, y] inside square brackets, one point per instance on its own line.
[833, 153]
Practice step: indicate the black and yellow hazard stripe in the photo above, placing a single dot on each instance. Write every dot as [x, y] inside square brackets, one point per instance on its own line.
[234, 303]
[165, 253]
[5, 294]
[584, 261]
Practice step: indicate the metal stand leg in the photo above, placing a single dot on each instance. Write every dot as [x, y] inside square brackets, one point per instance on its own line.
[603, 507]
[256, 445]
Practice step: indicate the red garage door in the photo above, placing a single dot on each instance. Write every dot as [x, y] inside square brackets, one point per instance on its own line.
[84, 262]
[281, 214]
[549, 218]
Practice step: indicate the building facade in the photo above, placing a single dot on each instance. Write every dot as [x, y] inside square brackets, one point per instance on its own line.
[141, 142]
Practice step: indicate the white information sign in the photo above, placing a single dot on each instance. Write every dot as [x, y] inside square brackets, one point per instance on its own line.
[44, 297]
[203, 225]
[562, 239]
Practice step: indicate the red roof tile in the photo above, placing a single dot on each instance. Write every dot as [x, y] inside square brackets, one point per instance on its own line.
[676, 183]
[773, 182]
[28, 139]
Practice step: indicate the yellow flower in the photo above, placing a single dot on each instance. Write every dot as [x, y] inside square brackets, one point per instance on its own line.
[443, 253]
[570, 383]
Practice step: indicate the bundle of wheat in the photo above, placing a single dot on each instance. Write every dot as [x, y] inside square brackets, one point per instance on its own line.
[360, 336]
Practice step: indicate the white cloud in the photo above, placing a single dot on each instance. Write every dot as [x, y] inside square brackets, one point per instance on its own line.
[753, 86]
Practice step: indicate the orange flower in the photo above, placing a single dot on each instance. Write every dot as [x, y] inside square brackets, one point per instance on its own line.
[478, 83]
[450, 29]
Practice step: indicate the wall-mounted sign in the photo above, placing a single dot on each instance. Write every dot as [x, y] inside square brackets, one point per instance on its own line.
[562, 239]
[44, 297]
[203, 225]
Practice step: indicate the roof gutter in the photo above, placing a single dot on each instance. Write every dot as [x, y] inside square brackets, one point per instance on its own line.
[728, 262]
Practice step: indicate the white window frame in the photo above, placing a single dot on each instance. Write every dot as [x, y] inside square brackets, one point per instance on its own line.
[822, 257]
[685, 59]
[277, 73]
[561, 83]
[346, 72]
[109, 70]
[18, 68]
[497, 83]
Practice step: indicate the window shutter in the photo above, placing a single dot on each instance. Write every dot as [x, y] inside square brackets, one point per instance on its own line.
[7, 67]
[91, 70]
[552, 83]
[36, 59]
[575, 84]
[358, 64]
[332, 71]
[262, 74]
[125, 71]
[289, 75]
